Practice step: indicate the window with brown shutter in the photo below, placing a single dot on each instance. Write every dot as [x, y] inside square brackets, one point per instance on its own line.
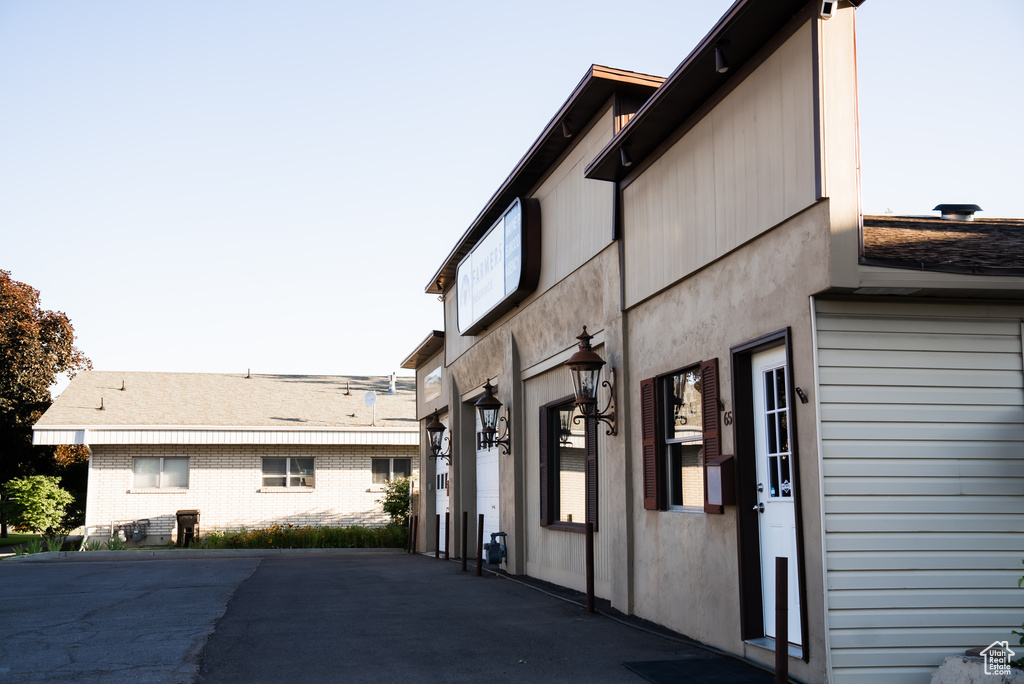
[680, 426]
[652, 464]
[712, 424]
[545, 489]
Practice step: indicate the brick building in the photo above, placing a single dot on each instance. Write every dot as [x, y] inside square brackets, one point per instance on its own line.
[245, 450]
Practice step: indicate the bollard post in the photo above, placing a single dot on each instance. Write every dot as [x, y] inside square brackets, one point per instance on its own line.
[437, 537]
[465, 524]
[480, 546]
[447, 532]
[590, 568]
[415, 531]
[781, 620]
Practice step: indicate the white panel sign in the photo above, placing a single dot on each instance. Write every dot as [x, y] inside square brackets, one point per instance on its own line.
[492, 273]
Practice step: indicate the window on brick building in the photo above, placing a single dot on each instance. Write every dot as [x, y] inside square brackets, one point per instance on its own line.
[288, 472]
[388, 469]
[151, 472]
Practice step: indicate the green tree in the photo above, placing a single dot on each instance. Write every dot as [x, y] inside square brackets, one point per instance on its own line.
[36, 346]
[397, 499]
[37, 502]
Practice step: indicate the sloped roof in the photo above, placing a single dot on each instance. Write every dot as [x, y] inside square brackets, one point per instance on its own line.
[984, 246]
[231, 400]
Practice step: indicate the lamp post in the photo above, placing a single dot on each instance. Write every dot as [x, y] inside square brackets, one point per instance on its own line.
[585, 367]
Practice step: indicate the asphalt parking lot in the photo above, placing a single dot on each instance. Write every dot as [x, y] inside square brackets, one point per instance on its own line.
[335, 616]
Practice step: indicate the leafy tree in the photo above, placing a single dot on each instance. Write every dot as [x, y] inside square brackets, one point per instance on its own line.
[37, 502]
[397, 499]
[35, 347]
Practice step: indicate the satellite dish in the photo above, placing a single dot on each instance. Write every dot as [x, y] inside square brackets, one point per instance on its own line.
[370, 399]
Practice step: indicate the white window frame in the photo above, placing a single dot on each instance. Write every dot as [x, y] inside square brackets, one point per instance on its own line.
[287, 473]
[391, 468]
[160, 472]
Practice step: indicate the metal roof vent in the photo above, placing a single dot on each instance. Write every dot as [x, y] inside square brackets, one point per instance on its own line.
[958, 212]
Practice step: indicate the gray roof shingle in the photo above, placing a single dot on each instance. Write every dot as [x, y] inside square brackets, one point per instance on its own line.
[231, 400]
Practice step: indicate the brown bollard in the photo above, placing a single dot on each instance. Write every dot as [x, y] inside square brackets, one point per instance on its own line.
[415, 532]
[437, 537]
[590, 568]
[480, 546]
[465, 524]
[447, 532]
[781, 619]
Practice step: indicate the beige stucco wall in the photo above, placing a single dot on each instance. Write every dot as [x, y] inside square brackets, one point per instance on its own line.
[224, 485]
[687, 563]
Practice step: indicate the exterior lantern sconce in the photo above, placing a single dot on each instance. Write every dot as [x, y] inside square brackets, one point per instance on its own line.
[585, 366]
[435, 431]
[488, 406]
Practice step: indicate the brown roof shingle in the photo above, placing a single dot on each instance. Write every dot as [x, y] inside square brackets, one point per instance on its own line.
[982, 246]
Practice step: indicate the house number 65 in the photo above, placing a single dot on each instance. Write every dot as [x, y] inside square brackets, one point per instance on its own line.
[728, 418]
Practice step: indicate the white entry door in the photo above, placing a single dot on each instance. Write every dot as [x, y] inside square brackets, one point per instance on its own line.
[776, 490]
[487, 484]
[441, 490]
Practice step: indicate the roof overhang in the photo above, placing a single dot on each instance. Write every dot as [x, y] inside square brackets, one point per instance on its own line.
[214, 434]
[742, 31]
[426, 350]
[597, 86]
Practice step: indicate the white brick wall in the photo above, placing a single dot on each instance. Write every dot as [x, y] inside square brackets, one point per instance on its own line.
[225, 482]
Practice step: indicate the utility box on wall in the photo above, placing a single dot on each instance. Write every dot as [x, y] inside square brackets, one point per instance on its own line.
[721, 474]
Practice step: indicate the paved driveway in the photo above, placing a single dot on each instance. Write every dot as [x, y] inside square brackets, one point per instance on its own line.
[340, 616]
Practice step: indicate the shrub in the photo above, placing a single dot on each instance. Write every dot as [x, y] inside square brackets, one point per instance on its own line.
[397, 499]
[37, 503]
[306, 537]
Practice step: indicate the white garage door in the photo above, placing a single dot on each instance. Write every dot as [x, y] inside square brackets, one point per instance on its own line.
[487, 485]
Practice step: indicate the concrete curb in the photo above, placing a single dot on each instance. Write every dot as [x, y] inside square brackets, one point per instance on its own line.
[177, 554]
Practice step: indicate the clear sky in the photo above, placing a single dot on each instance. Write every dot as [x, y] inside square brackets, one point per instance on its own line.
[218, 186]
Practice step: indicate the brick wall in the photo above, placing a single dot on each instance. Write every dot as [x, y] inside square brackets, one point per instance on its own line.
[225, 484]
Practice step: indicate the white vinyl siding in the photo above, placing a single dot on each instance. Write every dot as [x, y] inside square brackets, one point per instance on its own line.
[922, 428]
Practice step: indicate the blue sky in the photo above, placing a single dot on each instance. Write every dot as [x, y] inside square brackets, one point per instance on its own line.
[200, 186]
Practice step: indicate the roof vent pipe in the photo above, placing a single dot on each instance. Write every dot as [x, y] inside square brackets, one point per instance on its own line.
[391, 385]
[957, 212]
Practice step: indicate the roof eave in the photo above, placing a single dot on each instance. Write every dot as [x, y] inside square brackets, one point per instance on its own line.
[433, 343]
[747, 25]
[597, 86]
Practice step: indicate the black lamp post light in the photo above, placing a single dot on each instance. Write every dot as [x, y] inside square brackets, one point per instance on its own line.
[435, 431]
[488, 407]
[585, 366]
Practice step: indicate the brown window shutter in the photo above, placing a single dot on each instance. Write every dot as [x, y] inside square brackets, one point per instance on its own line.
[649, 420]
[712, 423]
[545, 489]
[591, 429]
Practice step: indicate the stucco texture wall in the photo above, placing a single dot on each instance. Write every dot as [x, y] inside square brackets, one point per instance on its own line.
[686, 563]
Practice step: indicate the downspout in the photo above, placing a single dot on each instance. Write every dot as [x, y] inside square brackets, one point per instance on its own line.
[623, 399]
